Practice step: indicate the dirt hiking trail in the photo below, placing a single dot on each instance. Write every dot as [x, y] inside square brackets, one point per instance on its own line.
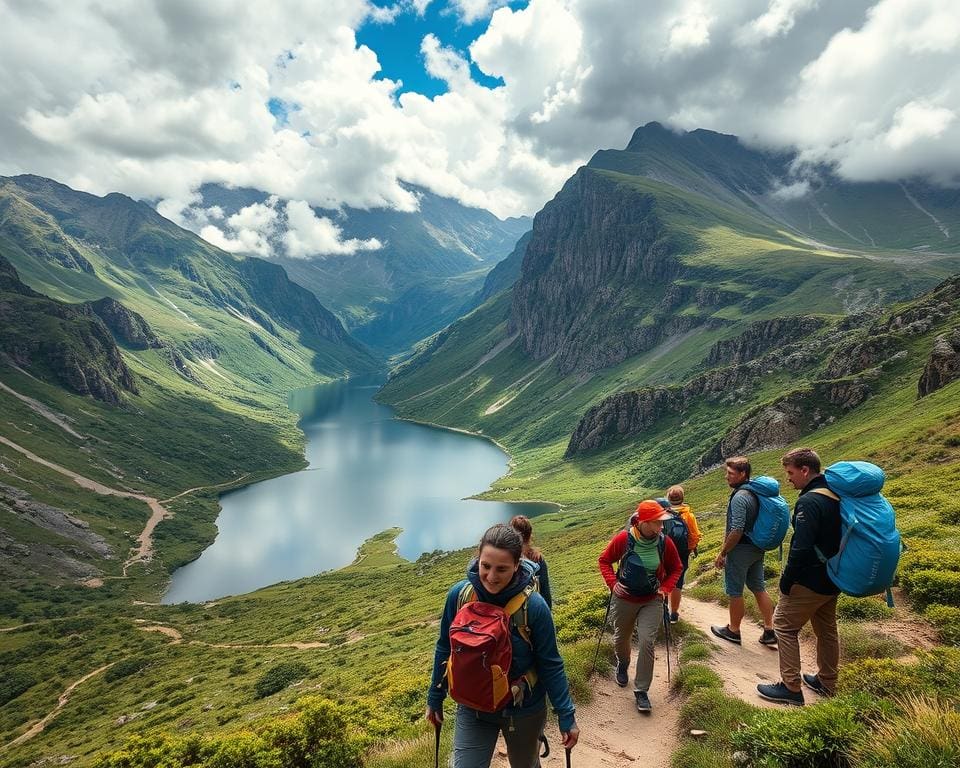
[613, 733]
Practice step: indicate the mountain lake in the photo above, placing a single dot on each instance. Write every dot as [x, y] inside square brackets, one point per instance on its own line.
[368, 472]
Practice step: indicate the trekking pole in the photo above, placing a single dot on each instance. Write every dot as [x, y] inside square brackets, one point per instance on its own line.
[596, 655]
[666, 633]
[568, 756]
[436, 751]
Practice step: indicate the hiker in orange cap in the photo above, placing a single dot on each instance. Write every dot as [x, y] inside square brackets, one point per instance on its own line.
[649, 567]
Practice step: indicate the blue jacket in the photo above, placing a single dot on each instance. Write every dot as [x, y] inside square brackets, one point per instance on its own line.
[544, 656]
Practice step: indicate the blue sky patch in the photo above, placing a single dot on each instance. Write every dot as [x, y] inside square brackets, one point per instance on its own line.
[397, 45]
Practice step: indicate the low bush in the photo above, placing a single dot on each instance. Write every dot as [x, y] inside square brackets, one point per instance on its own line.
[125, 668]
[939, 672]
[14, 683]
[929, 586]
[946, 618]
[862, 608]
[717, 714]
[318, 735]
[279, 677]
[812, 737]
[856, 642]
[581, 616]
[925, 734]
[695, 651]
[696, 677]
[578, 664]
[878, 677]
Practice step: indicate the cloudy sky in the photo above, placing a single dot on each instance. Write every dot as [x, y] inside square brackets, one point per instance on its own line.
[333, 103]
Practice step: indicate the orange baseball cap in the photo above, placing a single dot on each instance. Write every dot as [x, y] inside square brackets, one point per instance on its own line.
[649, 510]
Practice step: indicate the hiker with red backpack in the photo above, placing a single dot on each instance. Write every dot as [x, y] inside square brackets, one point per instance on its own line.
[807, 593]
[497, 657]
[742, 551]
[685, 532]
[649, 567]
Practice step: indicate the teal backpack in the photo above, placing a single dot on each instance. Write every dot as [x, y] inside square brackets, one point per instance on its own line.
[773, 517]
[870, 543]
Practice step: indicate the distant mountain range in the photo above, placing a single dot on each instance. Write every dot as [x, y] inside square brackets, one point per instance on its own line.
[431, 262]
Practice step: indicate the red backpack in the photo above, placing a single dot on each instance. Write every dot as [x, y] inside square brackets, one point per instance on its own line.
[481, 652]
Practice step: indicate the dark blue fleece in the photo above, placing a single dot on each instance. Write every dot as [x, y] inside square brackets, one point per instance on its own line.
[544, 656]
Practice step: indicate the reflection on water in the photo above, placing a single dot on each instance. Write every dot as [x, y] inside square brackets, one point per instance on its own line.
[367, 472]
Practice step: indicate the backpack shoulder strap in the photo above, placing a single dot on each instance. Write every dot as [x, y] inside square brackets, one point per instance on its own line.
[661, 545]
[467, 595]
[825, 492]
[516, 609]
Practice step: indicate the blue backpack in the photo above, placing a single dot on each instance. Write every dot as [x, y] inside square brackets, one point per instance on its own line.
[773, 518]
[870, 543]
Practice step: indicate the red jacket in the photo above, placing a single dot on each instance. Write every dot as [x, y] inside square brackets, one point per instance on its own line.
[668, 572]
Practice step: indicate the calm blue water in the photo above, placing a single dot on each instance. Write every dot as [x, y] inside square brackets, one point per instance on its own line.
[367, 472]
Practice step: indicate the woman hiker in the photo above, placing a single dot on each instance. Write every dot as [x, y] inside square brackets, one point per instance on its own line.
[496, 623]
[521, 524]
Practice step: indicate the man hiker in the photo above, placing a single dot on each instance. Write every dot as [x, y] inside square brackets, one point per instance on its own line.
[649, 567]
[740, 559]
[806, 591]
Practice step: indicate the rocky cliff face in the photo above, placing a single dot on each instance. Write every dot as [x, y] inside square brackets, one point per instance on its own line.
[128, 327]
[761, 337]
[788, 418]
[943, 365]
[63, 342]
[595, 247]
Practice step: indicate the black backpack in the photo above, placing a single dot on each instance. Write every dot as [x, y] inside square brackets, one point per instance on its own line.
[635, 578]
[676, 528]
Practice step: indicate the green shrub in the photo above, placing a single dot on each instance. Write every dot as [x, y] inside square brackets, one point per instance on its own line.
[926, 734]
[920, 557]
[862, 608]
[695, 677]
[878, 677]
[125, 668]
[279, 677]
[581, 616]
[578, 663]
[939, 671]
[946, 618]
[859, 643]
[13, 683]
[929, 586]
[812, 737]
[318, 735]
[695, 651]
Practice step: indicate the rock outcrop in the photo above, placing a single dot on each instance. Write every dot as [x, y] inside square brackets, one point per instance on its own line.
[761, 337]
[943, 365]
[127, 326]
[63, 342]
[777, 424]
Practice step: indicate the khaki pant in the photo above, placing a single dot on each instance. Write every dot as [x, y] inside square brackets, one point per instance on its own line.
[795, 610]
[646, 617]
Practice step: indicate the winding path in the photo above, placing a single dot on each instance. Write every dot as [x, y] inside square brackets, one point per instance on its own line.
[144, 551]
[38, 726]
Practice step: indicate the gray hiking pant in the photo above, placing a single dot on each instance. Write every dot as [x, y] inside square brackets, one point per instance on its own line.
[475, 737]
[646, 617]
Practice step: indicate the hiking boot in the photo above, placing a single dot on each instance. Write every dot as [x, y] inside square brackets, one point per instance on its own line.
[779, 693]
[726, 633]
[643, 701]
[674, 617]
[813, 683]
[622, 677]
[769, 637]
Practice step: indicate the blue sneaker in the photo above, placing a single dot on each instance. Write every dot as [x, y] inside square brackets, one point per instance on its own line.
[813, 683]
[674, 618]
[779, 693]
